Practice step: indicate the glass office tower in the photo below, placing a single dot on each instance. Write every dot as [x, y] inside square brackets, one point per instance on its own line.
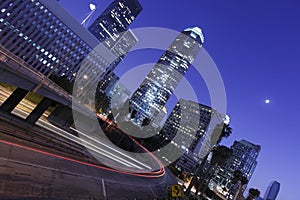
[272, 191]
[115, 20]
[150, 98]
[189, 121]
[112, 29]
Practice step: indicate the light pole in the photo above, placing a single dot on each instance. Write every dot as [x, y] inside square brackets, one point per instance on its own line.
[86, 20]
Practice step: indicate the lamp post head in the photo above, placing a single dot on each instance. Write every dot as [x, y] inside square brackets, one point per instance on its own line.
[92, 6]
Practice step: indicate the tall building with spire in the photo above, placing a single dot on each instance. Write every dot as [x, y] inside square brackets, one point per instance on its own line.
[151, 96]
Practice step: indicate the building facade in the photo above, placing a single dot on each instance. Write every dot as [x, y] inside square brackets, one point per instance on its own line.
[107, 83]
[112, 28]
[114, 21]
[46, 37]
[186, 126]
[188, 121]
[122, 46]
[151, 96]
[118, 94]
[158, 121]
[244, 158]
[188, 162]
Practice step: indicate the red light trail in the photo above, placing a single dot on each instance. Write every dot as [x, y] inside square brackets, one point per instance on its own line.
[159, 173]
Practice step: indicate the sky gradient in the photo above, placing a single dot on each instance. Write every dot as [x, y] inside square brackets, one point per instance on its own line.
[255, 45]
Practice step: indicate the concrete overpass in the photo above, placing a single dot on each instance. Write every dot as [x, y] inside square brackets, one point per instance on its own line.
[15, 71]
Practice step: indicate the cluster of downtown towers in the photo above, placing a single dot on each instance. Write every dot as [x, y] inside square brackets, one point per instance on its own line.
[48, 39]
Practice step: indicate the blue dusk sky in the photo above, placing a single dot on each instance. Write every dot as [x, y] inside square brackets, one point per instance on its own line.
[256, 47]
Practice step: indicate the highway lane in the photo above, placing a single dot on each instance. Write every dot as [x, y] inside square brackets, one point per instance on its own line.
[104, 151]
[24, 105]
[52, 177]
[41, 173]
[35, 173]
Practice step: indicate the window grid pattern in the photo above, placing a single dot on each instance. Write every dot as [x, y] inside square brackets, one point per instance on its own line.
[158, 86]
[42, 40]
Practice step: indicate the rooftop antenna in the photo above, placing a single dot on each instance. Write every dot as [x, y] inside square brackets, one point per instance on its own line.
[86, 20]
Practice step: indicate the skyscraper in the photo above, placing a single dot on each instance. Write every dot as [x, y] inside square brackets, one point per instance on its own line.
[244, 158]
[272, 191]
[118, 95]
[107, 83]
[152, 95]
[111, 86]
[189, 121]
[157, 122]
[112, 29]
[115, 20]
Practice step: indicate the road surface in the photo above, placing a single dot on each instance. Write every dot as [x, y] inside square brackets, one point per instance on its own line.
[30, 169]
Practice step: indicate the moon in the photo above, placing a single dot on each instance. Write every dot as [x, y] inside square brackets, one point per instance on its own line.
[267, 101]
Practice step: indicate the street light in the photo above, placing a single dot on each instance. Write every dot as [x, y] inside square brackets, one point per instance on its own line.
[86, 20]
[92, 6]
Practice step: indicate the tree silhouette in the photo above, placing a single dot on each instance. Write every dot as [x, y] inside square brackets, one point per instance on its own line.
[253, 194]
[226, 131]
[220, 154]
[239, 179]
[236, 176]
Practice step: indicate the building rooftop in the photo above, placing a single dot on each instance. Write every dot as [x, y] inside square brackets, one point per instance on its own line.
[196, 32]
